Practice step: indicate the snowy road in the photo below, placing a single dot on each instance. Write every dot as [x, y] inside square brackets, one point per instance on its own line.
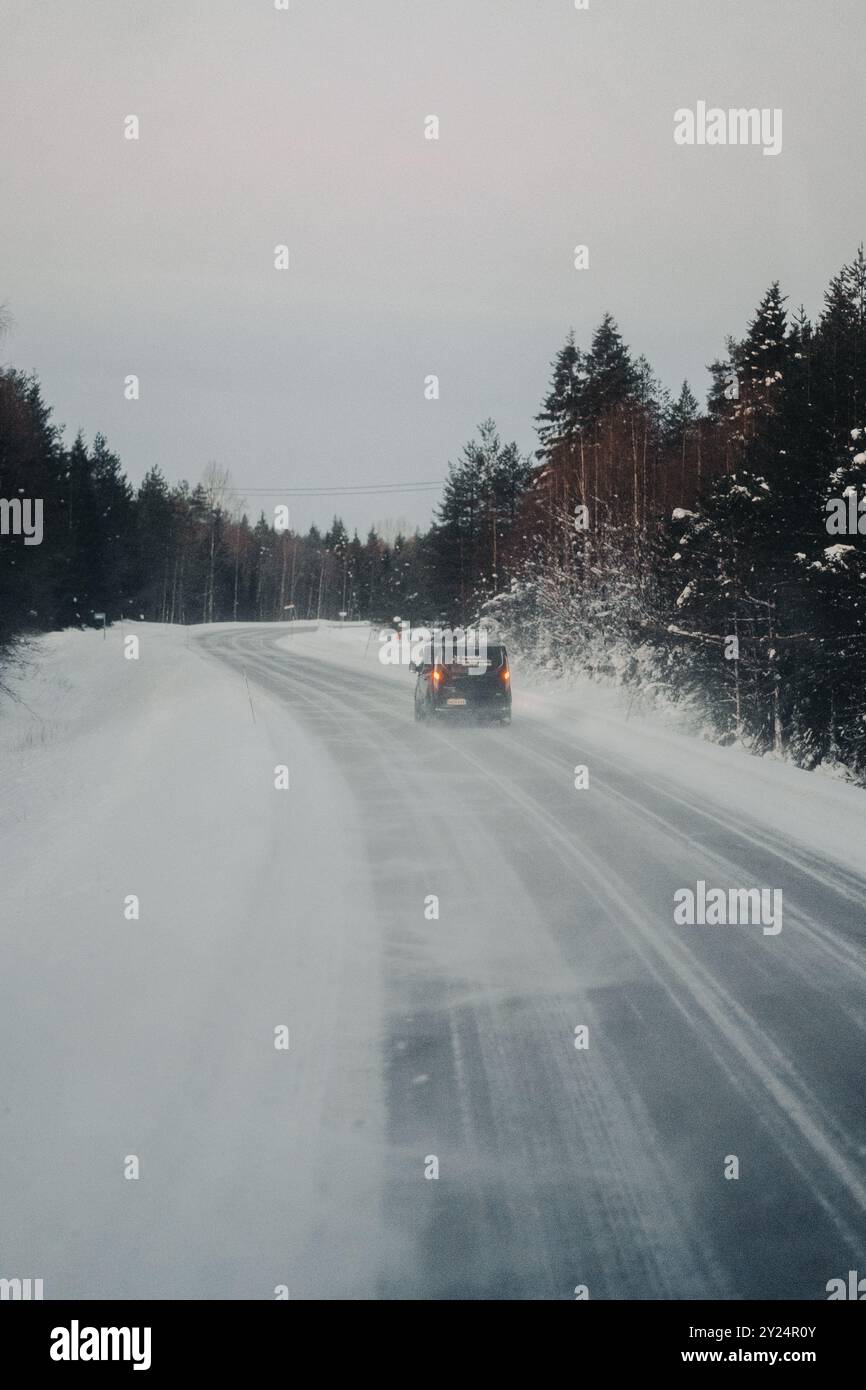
[604, 1166]
[150, 1034]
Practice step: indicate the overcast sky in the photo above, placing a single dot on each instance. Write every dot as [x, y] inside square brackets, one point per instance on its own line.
[408, 256]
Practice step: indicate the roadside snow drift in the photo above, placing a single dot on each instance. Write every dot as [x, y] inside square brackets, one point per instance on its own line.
[154, 1035]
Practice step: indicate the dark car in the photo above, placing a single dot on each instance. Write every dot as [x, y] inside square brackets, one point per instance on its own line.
[475, 686]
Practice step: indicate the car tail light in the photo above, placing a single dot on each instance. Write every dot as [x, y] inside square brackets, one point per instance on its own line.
[437, 675]
[506, 676]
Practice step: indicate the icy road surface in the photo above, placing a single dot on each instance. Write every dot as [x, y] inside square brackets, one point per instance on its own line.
[604, 1166]
[411, 1038]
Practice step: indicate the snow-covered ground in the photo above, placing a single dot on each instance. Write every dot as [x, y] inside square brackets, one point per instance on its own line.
[411, 1035]
[155, 1037]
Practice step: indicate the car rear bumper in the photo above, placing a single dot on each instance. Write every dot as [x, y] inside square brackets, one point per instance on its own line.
[493, 707]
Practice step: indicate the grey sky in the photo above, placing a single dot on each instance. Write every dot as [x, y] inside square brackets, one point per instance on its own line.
[409, 256]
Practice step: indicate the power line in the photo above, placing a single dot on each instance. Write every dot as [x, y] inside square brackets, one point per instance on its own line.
[348, 490]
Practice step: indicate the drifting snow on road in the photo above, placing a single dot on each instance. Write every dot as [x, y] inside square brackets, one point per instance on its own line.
[404, 1010]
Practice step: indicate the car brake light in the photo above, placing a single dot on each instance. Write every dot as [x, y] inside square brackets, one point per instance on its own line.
[437, 676]
[506, 675]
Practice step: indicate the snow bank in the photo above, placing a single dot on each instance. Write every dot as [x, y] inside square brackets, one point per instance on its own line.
[812, 810]
[155, 1037]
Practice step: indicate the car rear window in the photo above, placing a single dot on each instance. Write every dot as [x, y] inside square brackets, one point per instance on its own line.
[493, 660]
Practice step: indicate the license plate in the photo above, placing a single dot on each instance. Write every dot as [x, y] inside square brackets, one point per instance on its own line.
[455, 702]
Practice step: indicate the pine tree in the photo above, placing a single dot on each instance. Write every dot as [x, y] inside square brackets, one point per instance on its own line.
[84, 579]
[115, 520]
[760, 362]
[724, 389]
[561, 415]
[480, 505]
[32, 466]
[154, 548]
[681, 417]
[842, 349]
[611, 376]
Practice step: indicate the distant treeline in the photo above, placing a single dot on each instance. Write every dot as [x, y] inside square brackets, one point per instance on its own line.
[681, 550]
